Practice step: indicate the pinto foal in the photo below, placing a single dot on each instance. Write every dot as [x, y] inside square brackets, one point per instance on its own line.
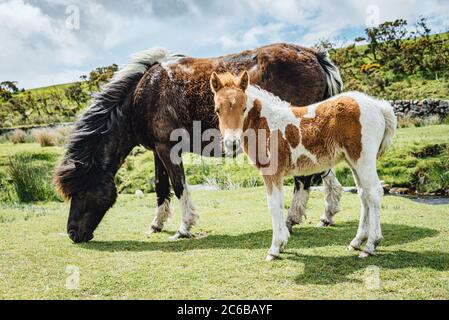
[281, 139]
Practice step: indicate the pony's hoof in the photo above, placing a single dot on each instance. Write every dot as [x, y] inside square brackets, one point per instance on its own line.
[325, 224]
[270, 258]
[152, 230]
[365, 255]
[181, 235]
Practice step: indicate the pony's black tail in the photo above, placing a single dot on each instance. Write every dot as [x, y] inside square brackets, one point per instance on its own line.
[333, 76]
[104, 115]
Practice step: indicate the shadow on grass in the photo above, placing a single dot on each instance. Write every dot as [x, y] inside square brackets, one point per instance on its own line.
[308, 237]
[318, 269]
[331, 270]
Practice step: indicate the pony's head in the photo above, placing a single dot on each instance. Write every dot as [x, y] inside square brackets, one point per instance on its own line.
[230, 105]
[90, 195]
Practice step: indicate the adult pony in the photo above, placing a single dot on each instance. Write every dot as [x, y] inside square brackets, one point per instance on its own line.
[307, 140]
[161, 92]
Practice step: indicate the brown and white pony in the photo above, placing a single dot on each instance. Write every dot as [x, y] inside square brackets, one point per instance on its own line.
[306, 140]
[159, 93]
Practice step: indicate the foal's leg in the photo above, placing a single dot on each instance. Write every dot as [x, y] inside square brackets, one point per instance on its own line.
[332, 196]
[275, 195]
[301, 195]
[362, 231]
[371, 194]
[163, 211]
[178, 180]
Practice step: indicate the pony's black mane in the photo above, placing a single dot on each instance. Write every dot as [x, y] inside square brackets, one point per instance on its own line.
[79, 165]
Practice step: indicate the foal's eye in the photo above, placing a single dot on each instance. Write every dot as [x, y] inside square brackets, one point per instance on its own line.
[244, 109]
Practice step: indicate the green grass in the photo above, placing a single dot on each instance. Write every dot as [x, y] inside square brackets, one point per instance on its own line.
[229, 262]
[43, 90]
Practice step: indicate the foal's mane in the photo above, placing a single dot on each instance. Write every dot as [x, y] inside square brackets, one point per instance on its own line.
[265, 97]
[79, 165]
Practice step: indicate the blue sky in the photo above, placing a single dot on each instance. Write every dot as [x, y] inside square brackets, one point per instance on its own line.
[43, 42]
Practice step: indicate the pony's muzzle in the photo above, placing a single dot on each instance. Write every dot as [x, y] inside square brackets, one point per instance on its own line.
[80, 237]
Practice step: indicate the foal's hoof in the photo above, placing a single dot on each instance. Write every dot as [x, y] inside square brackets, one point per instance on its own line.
[365, 255]
[270, 258]
[352, 248]
[152, 230]
[181, 235]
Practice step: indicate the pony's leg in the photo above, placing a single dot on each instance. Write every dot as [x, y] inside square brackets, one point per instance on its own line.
[163, 211]
[178, 180]
[332, 197]
[299, 202]
[275, 197]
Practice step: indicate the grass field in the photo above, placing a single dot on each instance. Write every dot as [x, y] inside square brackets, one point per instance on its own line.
[226, 261]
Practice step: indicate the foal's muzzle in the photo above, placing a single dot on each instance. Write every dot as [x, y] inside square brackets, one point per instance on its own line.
[233, 146]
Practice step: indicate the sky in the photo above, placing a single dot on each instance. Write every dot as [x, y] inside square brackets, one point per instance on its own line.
[46, 42]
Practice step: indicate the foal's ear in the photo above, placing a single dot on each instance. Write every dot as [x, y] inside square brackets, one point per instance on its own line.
[244, 80]
[215, 83]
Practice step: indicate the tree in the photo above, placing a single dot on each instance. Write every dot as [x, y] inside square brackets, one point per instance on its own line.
[76, 94]
[7, 89]
[101, 75]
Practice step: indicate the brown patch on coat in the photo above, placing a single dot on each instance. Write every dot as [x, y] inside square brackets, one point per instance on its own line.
[293, 136]
[336, 125]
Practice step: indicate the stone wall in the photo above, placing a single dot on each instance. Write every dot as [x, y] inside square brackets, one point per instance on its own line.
[421, 108]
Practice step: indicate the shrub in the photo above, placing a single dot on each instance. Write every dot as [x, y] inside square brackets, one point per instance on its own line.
[3, 138]
[46, 137]
[63, 134]
[31, 179]
[7, 192]
[18, 136]
[432, 120]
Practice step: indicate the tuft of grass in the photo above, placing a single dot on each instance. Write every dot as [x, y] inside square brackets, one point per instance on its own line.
[64, 132]
[46, 137]
[18, 136]
[31, 181]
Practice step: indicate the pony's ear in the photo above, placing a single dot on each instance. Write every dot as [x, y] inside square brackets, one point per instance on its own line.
[215, 83]
[244, 80]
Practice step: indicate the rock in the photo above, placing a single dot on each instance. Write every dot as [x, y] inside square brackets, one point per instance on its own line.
[399, 191]
[139, 193]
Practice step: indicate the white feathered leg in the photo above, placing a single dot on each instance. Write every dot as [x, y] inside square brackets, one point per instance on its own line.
[332, 197]
[280, 231]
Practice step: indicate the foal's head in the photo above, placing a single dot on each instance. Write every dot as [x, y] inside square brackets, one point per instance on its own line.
[230, 106]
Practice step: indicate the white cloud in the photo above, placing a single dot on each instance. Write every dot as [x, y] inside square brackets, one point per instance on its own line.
[38, 49]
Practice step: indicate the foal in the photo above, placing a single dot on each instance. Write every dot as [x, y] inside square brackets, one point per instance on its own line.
[281, 140]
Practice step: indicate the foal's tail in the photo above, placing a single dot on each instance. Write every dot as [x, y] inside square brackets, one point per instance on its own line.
[390, 126]
[333, 77]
